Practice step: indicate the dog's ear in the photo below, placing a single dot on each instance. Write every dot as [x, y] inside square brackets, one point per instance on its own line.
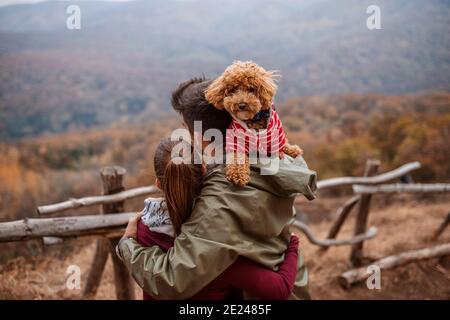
[268, 87]
[215, 93]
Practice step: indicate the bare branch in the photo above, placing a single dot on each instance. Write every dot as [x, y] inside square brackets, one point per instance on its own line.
[96, 200]
[342, 214]
[356, 275]
[442, 226]
[334, 242]
[398, 187]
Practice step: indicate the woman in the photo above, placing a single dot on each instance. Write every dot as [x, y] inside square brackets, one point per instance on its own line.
[161, 221]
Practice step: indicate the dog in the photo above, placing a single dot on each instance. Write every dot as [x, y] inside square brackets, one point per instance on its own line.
[246, 91]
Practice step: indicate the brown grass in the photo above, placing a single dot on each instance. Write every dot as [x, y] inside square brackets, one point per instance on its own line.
[405, 224]
[402, 226]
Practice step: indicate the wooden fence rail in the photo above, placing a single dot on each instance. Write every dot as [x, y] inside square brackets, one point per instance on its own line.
[394, 174]
[355, 275]
[75, 226]
[112, 225]
[326, 243]
[109, 225]
[148, 190]
[400, 187]
[96, 200]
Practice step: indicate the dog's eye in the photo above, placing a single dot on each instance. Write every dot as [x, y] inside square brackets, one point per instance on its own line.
[231, 90]
[251, 89]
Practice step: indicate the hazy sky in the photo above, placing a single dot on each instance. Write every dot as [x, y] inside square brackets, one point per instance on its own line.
[9, 2]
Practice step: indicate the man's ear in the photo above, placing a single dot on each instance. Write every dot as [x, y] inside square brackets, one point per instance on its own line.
[157, 183]
[215, 93]
[203, 168]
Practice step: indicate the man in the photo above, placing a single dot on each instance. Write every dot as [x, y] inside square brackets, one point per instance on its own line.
[226, 222]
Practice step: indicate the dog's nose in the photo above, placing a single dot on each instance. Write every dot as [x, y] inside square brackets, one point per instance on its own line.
[242, 105]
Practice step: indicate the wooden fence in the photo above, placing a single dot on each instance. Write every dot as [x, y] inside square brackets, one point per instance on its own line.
[109, 225]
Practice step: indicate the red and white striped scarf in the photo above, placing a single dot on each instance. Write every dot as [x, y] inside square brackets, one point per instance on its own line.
[241, 139]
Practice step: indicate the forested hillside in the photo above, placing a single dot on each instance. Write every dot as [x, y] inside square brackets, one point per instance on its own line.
[127, 57]
[338, 133]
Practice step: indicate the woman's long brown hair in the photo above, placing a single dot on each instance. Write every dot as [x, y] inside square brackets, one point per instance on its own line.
[180, 182]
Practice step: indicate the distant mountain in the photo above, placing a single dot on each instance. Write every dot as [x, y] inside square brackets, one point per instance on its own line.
[127, 57]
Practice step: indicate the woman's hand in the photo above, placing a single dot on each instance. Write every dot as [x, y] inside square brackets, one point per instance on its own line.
[131, 230]
[293, 243]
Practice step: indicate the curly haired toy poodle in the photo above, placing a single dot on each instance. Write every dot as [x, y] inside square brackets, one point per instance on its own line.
[246, 91]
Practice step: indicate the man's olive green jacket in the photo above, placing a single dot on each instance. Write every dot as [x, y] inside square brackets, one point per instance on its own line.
[226, 222]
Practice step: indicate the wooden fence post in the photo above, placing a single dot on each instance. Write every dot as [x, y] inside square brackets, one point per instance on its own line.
[97, 267]
[342, 214]
[442, 226]
[112, 180]
[363, 213]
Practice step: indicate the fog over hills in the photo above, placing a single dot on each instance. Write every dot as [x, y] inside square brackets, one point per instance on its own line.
[123, 63]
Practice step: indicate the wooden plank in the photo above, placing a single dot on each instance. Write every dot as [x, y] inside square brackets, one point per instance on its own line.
[75, 226]
[355, 275]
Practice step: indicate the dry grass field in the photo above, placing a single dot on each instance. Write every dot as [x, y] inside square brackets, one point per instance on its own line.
[403, 222]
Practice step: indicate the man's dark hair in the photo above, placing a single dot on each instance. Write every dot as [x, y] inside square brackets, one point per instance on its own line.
[189, 100]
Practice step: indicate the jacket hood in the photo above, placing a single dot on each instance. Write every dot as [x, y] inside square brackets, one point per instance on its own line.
[285, 177]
